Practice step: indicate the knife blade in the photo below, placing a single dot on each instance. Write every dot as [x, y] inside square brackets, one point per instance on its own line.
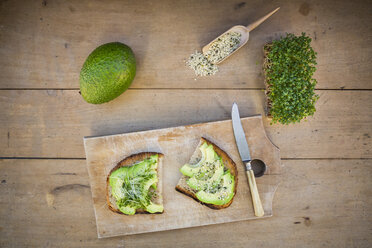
[239, 134]
[243, 149]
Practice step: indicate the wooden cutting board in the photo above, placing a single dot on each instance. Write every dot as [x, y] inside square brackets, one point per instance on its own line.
[177, 144]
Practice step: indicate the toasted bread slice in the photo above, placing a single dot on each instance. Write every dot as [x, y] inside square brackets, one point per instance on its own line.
[228, 163]
[129, 161]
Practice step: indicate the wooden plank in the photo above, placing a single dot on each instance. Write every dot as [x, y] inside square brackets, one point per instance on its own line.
[178, 144]
[43, 44]
[52, 123]
[319, 203]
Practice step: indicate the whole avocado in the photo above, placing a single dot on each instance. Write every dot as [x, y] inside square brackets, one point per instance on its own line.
[107, 72]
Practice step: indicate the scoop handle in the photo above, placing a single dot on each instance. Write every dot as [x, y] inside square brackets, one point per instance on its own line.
[257, 205]
[255, 24]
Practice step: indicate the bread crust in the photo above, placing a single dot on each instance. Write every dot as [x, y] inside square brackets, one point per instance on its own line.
[129, 161]
[228, 162]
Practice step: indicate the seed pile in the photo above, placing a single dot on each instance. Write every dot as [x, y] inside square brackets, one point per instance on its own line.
[200, 64]
[223, 47]
[220, 49]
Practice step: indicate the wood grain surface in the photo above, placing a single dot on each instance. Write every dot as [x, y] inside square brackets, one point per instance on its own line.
[45, 45]
[47, 203]
[324, 199]
[52, 123]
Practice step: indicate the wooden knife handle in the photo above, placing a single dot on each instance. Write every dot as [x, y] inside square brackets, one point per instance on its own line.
[257, 205]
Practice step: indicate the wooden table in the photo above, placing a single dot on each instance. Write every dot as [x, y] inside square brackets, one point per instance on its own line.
[325, 199]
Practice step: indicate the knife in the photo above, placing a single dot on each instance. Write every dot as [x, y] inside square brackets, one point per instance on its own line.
[242, 145]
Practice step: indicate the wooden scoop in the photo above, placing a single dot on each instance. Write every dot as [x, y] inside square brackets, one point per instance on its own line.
[244, 31]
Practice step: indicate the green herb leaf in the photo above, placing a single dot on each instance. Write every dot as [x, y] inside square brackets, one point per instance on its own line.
[289, 67]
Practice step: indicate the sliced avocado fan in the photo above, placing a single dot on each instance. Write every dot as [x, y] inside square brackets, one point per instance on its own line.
[209, 177]
[131, 186]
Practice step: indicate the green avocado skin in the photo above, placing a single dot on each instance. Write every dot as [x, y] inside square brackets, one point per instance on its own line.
[107, 72]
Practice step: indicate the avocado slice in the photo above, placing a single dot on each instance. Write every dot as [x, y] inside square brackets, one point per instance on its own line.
[127, 210]
[153, 180]
[154, 208]
[208, 155]
[123, 174]
[130, 186]
[141, 167]
[222, 195]
[211, 179]
[116, 182]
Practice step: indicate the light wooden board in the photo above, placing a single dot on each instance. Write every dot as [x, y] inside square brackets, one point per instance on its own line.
[43, 44]
[178, 144]
[52, 123]
[47, 203]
